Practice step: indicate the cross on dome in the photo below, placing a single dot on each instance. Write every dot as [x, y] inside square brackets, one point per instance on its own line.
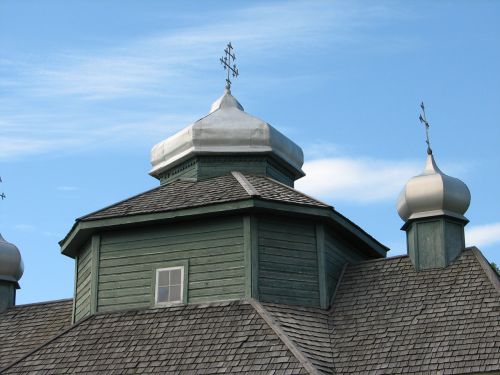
[423, 120]
[226, 63]
[2, 194]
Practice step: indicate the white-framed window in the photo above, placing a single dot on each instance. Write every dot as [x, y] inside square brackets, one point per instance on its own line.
[169, 285]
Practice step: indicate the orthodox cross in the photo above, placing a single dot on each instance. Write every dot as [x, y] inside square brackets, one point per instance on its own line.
[424, 121]
[2, 195]
[226, 63]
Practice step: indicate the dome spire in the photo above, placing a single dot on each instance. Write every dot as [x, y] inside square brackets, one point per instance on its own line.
[11, 270]
[226, 63]
[423, 120]
[433, 205]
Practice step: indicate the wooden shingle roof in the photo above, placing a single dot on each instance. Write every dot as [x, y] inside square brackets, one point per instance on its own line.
[386, 318]
[181, 194]
[223, 338]
[23, 328]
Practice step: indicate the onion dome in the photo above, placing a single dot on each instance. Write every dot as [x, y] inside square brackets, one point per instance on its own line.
[433, 193]
[226, 130]
[11, 263]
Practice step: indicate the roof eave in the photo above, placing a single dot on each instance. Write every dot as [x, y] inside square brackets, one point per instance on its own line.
[83, 229]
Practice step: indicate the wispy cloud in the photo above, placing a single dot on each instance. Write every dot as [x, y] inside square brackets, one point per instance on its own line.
[357, 180]
[76, 98]
[483, 235]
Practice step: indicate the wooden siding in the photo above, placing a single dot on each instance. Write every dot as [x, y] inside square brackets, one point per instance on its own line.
[204, 167]
[338, 252]
[287, 261]
[213, 250]
[279, 174]
[187, 169]
[83, 283]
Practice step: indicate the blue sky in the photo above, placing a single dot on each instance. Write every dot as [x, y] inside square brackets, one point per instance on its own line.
[88, 87]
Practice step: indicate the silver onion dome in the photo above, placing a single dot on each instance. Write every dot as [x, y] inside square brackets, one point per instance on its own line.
[11, 263]
[433, 193]
[227, 129]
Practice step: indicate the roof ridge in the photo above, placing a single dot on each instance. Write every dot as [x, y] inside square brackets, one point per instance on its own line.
[296, 191]
[275, 326]
[43, 302]
[16, 361]
[383, 259]
[247, 185]
[486, 267]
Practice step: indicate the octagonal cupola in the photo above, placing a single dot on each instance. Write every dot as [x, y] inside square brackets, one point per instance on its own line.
[11, 270]
[227, 139]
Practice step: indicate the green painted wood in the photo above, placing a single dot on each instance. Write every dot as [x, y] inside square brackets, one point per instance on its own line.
[287, 250]
[434, 242]
[247, 235]
[254, 233]
[187, 169]
[95, 250]
[207, 166]
[324, 299]
[83, 283]
[75, 283]
[129, 259]
[338, 252]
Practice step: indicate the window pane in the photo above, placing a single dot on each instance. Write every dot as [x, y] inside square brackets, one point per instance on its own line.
[175, 293]
[162, 294]
[175, 277]
[163, 278]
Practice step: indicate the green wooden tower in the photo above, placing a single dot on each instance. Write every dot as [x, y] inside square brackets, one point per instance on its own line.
[224, 224]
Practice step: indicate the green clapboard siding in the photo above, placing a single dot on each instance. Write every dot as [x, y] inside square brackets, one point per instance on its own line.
[287, 261]
[203, 167]
[338, 253]
[83, 283]
[211, 249]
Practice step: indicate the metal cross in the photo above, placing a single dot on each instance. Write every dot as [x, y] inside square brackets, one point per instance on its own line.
[226, 63]
[424, 121]
[2, 195]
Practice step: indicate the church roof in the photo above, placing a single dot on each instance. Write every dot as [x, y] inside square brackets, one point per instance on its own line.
[24, 328]
[220, 338]
[386, 318]
[188, 193]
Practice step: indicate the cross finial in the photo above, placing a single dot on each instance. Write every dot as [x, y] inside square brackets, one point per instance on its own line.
[423, 120]
[226, 63]
[2, 195]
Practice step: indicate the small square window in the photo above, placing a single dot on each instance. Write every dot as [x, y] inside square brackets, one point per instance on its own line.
[169, 285]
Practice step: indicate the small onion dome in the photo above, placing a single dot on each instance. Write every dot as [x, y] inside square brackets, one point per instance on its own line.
[226, 130]
[433, 193]
[11, 263]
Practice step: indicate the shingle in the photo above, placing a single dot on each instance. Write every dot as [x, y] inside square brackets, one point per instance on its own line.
[25, 327]
[185, 194]
[427, 316]
[91, 346]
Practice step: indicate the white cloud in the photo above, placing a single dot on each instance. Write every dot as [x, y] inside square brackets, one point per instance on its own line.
[483, 235]
[357, 180]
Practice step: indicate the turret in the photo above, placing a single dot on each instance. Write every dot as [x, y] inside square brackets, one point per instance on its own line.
[11, 270]
[433, 205]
